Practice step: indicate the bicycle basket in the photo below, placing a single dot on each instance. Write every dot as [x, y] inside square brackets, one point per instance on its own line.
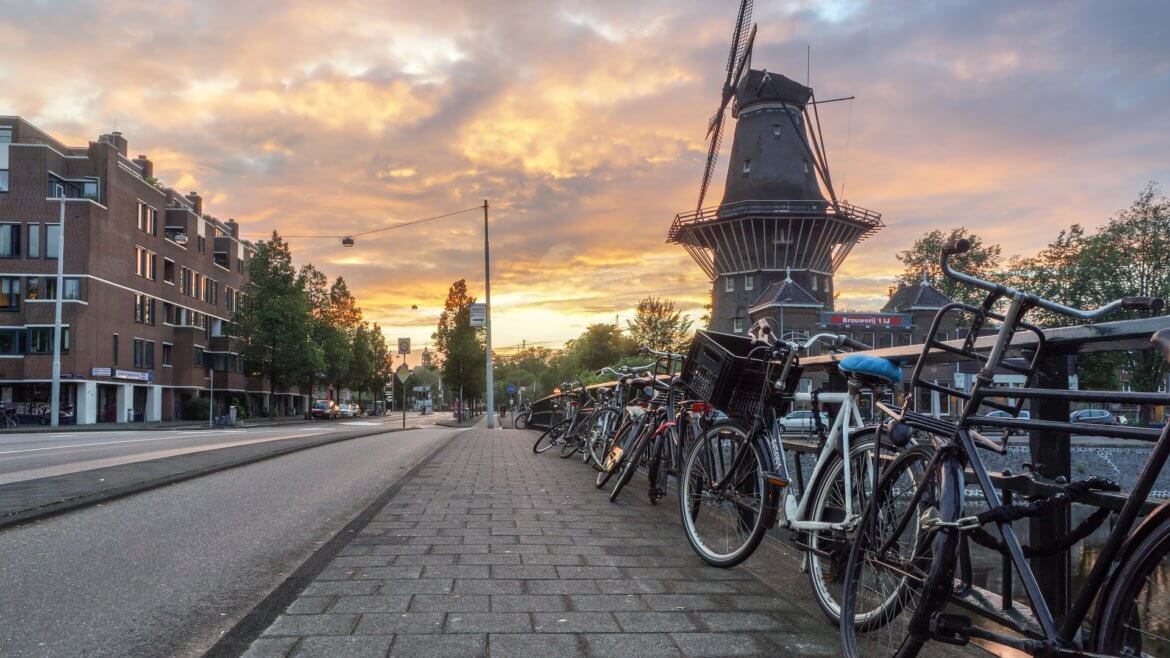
[718, 371]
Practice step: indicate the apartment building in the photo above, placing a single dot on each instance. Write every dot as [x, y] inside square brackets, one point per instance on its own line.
[151, 281]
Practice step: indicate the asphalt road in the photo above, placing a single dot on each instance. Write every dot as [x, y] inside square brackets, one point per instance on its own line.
[167, 571]
[29, 455]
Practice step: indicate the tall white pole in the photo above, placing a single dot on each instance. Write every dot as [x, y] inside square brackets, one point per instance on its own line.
[211, 396]
[487, 293]
[55, 403]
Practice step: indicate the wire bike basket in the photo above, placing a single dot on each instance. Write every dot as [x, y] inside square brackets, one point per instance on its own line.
[719, 371]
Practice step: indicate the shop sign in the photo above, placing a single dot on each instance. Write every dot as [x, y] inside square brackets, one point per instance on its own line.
[865, 320]
[132, 374]
[101, 372]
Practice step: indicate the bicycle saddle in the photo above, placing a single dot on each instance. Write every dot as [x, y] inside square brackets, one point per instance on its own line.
[871, 366]
[1161, 340]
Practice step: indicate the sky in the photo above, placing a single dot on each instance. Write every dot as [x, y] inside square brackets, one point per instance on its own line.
[583, 124]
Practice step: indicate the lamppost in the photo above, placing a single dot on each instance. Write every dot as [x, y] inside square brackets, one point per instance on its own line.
[55, 395]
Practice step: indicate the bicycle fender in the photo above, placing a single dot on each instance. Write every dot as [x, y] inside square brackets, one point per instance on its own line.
[1137, 537]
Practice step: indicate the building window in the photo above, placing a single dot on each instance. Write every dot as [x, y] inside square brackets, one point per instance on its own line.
[3, 180]
[229, 297]
[202, 244]
[9, 293]
[168, 270]
[40, 340]
[10, 341]
[149, 362]
[749, 282]
[52, 237]
[115, 359]
[34, 240]
[826, 288]
[814, 283]
[240, 266]
[167, 354]
[747, 166]
[198, 357]
[737, 325]
[147, 219]
[729, 284]
[139, 352]
[10, 240]
[72, 288]
[5, 134]
[145, 263]
[143, 309]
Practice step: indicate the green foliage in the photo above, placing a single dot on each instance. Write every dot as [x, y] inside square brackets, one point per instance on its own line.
[461, 346]
[196, 409]
[273, 320]
[659, 326]
[921, 261]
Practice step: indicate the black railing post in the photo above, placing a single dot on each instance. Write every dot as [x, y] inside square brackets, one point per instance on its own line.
[1052, 457]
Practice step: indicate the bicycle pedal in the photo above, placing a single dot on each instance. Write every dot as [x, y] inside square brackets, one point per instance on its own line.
[776, 479]
[951, 629]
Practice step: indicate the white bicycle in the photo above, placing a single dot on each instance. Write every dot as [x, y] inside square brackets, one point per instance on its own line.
[736, 482]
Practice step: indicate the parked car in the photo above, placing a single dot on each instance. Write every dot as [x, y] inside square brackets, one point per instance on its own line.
[350, 410]
[1093, 417]
[999, 413]
[325, 410]
[802, 422]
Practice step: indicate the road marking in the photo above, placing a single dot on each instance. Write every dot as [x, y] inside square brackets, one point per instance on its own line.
[61, 436]
[361, 423]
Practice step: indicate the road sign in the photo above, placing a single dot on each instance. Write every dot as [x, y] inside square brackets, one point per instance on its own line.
[403, 373]
[404, 346]
[478, 315]
[511, 389]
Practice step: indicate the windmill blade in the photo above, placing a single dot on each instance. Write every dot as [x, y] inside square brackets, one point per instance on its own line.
[745, 60]
[742, 21]
[715, 134]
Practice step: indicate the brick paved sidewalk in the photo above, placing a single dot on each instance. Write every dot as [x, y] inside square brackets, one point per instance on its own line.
[490, 549]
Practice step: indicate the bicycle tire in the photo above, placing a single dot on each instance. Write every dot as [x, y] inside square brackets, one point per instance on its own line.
[701, 467]
[654, 471]
[1119, 630]
[629, 465]
[603, 430]
[932, 559]
[621, 441]
[571, 441]
[550, 436]
[521, 422]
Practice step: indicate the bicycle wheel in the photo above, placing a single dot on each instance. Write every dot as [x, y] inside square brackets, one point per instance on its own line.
[1133, 620]
[887, 599]
[521, 421]
[630, 460]
[571, 440]
[829, 549]
[654, 472]
[724, 527]
[622, 441]
[601, 430]
[551, 436]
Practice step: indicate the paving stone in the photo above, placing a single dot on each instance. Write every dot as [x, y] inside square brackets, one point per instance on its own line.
[271, 647]
[425, 560]
[401, 622]
[327, 624]
[719, 644]
[574, 622]
[739, 621]
[377, 603]
[541, 645]
[486, 586]
[483, 622]
[655, 622]
[310, 605]
[606, 602]
[387, 573]
[528, 603]
[491, 558]
[462, 645]
[450, 603]
[329, 588]
[419, 586]
[457, 571]
[685, 602]
[533, 572]
[352, 646]
[561, 587]
[631, 644]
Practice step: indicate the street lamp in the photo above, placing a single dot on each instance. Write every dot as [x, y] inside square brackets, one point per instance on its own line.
[55, 396]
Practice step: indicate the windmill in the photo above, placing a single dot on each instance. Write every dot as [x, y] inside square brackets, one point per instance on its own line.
[780, 232]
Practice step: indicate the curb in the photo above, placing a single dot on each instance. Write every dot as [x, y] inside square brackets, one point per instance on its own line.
[237, 639]
[52, 509]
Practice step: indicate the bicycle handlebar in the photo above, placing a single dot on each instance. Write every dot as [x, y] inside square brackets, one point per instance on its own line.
[962, 246]
[645, 349]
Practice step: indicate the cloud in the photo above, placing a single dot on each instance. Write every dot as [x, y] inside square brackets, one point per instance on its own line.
[582, 123]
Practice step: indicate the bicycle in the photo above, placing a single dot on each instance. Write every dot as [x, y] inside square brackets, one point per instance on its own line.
[911, 537]
[520, 420]
[10, 420]
[558, 432]
[735, 482]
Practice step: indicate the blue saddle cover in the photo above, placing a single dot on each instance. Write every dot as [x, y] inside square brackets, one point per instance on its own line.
[873, 366]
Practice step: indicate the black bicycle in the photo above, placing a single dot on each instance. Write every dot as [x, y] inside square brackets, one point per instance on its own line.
[903, 559]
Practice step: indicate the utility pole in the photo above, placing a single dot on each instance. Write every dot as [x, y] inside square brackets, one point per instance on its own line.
[487, 293]
[55, 402]
[211, 396]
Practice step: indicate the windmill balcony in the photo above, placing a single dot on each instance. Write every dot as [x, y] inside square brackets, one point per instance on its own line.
[842, 210]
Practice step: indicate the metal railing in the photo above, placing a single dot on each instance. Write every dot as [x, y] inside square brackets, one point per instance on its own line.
[840, 209]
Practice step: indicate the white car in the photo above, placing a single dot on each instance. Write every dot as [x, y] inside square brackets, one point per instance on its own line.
[802, 422]
[350, 410]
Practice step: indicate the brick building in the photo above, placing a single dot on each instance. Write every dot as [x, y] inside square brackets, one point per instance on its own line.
[150, 284]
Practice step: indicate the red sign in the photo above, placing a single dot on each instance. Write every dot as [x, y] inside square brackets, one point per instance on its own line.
[866, 319]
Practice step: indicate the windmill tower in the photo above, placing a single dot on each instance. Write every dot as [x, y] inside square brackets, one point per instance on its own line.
[780, 232]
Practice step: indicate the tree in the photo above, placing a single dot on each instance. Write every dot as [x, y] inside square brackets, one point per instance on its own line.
[460, 345]
[921, 261]
[658, 325]
[362, 369]
[273, 319]
[381, 368]
[598, 346]
[343, 319]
